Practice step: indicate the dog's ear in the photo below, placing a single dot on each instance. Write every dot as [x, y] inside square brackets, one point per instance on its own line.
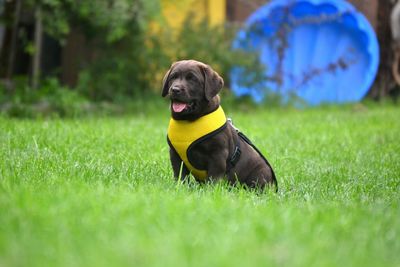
[165, 81]
[213, 83]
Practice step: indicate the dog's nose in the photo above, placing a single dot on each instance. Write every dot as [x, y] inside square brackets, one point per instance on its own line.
[175, 89]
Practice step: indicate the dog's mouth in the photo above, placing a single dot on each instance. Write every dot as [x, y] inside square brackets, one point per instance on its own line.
[179, 107]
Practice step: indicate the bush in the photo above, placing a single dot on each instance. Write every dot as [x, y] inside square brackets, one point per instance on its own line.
[137, 63]
[128, 58]
[51, 99]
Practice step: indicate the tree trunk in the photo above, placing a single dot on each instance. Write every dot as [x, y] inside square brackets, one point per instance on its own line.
[384, 80]
[13, 46]
[38, 48]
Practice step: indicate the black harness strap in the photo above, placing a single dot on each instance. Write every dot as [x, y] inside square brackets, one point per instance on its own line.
[235, 157]
[247, 140]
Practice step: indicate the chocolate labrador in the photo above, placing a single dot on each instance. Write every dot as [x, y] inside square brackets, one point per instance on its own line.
[202, 140]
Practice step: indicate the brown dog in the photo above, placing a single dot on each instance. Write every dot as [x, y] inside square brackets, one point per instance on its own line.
[202, 141]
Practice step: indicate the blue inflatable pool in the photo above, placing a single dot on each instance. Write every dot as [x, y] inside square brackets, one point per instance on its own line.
[322, 51]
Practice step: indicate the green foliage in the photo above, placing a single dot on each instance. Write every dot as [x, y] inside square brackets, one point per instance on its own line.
[100, 192]
[51, 99]
[119, 69]
[212, 45]
[136, 63]
[130, 57]
[114, 30]
[126, 54]
[109, 19]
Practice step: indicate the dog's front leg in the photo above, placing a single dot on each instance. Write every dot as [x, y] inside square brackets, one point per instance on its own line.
[180, 170]
[217, 166]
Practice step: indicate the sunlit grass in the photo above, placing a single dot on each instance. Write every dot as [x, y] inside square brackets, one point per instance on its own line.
[100, 192]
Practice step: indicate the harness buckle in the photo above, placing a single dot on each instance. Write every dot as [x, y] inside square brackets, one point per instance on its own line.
[236, 156]
[233, 126]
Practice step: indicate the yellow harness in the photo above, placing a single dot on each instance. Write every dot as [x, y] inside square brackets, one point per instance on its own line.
[182, 134]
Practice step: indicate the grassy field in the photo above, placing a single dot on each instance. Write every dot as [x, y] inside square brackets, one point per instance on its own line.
[100, 192]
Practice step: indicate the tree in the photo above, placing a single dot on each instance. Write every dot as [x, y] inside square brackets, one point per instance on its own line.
[384, 81]
[106, 22]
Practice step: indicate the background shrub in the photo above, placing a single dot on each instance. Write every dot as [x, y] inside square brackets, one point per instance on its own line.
[129, 49]
[136, 64]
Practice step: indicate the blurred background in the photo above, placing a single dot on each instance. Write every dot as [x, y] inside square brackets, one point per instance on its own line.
[73, 57]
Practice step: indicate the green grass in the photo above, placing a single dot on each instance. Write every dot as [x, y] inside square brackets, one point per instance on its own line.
[100, 192]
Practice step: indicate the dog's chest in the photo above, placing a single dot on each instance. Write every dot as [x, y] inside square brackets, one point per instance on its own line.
[183, 135]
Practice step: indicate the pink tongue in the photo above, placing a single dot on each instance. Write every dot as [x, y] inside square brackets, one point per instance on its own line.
[178, 107]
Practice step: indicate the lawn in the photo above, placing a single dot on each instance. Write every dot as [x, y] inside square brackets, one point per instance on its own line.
[100, 192]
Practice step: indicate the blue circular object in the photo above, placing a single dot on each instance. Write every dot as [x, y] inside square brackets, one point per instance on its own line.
[318, 50]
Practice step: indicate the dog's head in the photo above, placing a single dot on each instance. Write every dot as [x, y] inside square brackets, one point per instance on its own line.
[193, 88]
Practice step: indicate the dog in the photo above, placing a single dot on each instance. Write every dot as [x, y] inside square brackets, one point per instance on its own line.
[202, 140]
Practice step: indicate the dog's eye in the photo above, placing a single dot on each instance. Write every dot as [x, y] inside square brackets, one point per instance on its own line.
[173, 76]
[190, 76]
